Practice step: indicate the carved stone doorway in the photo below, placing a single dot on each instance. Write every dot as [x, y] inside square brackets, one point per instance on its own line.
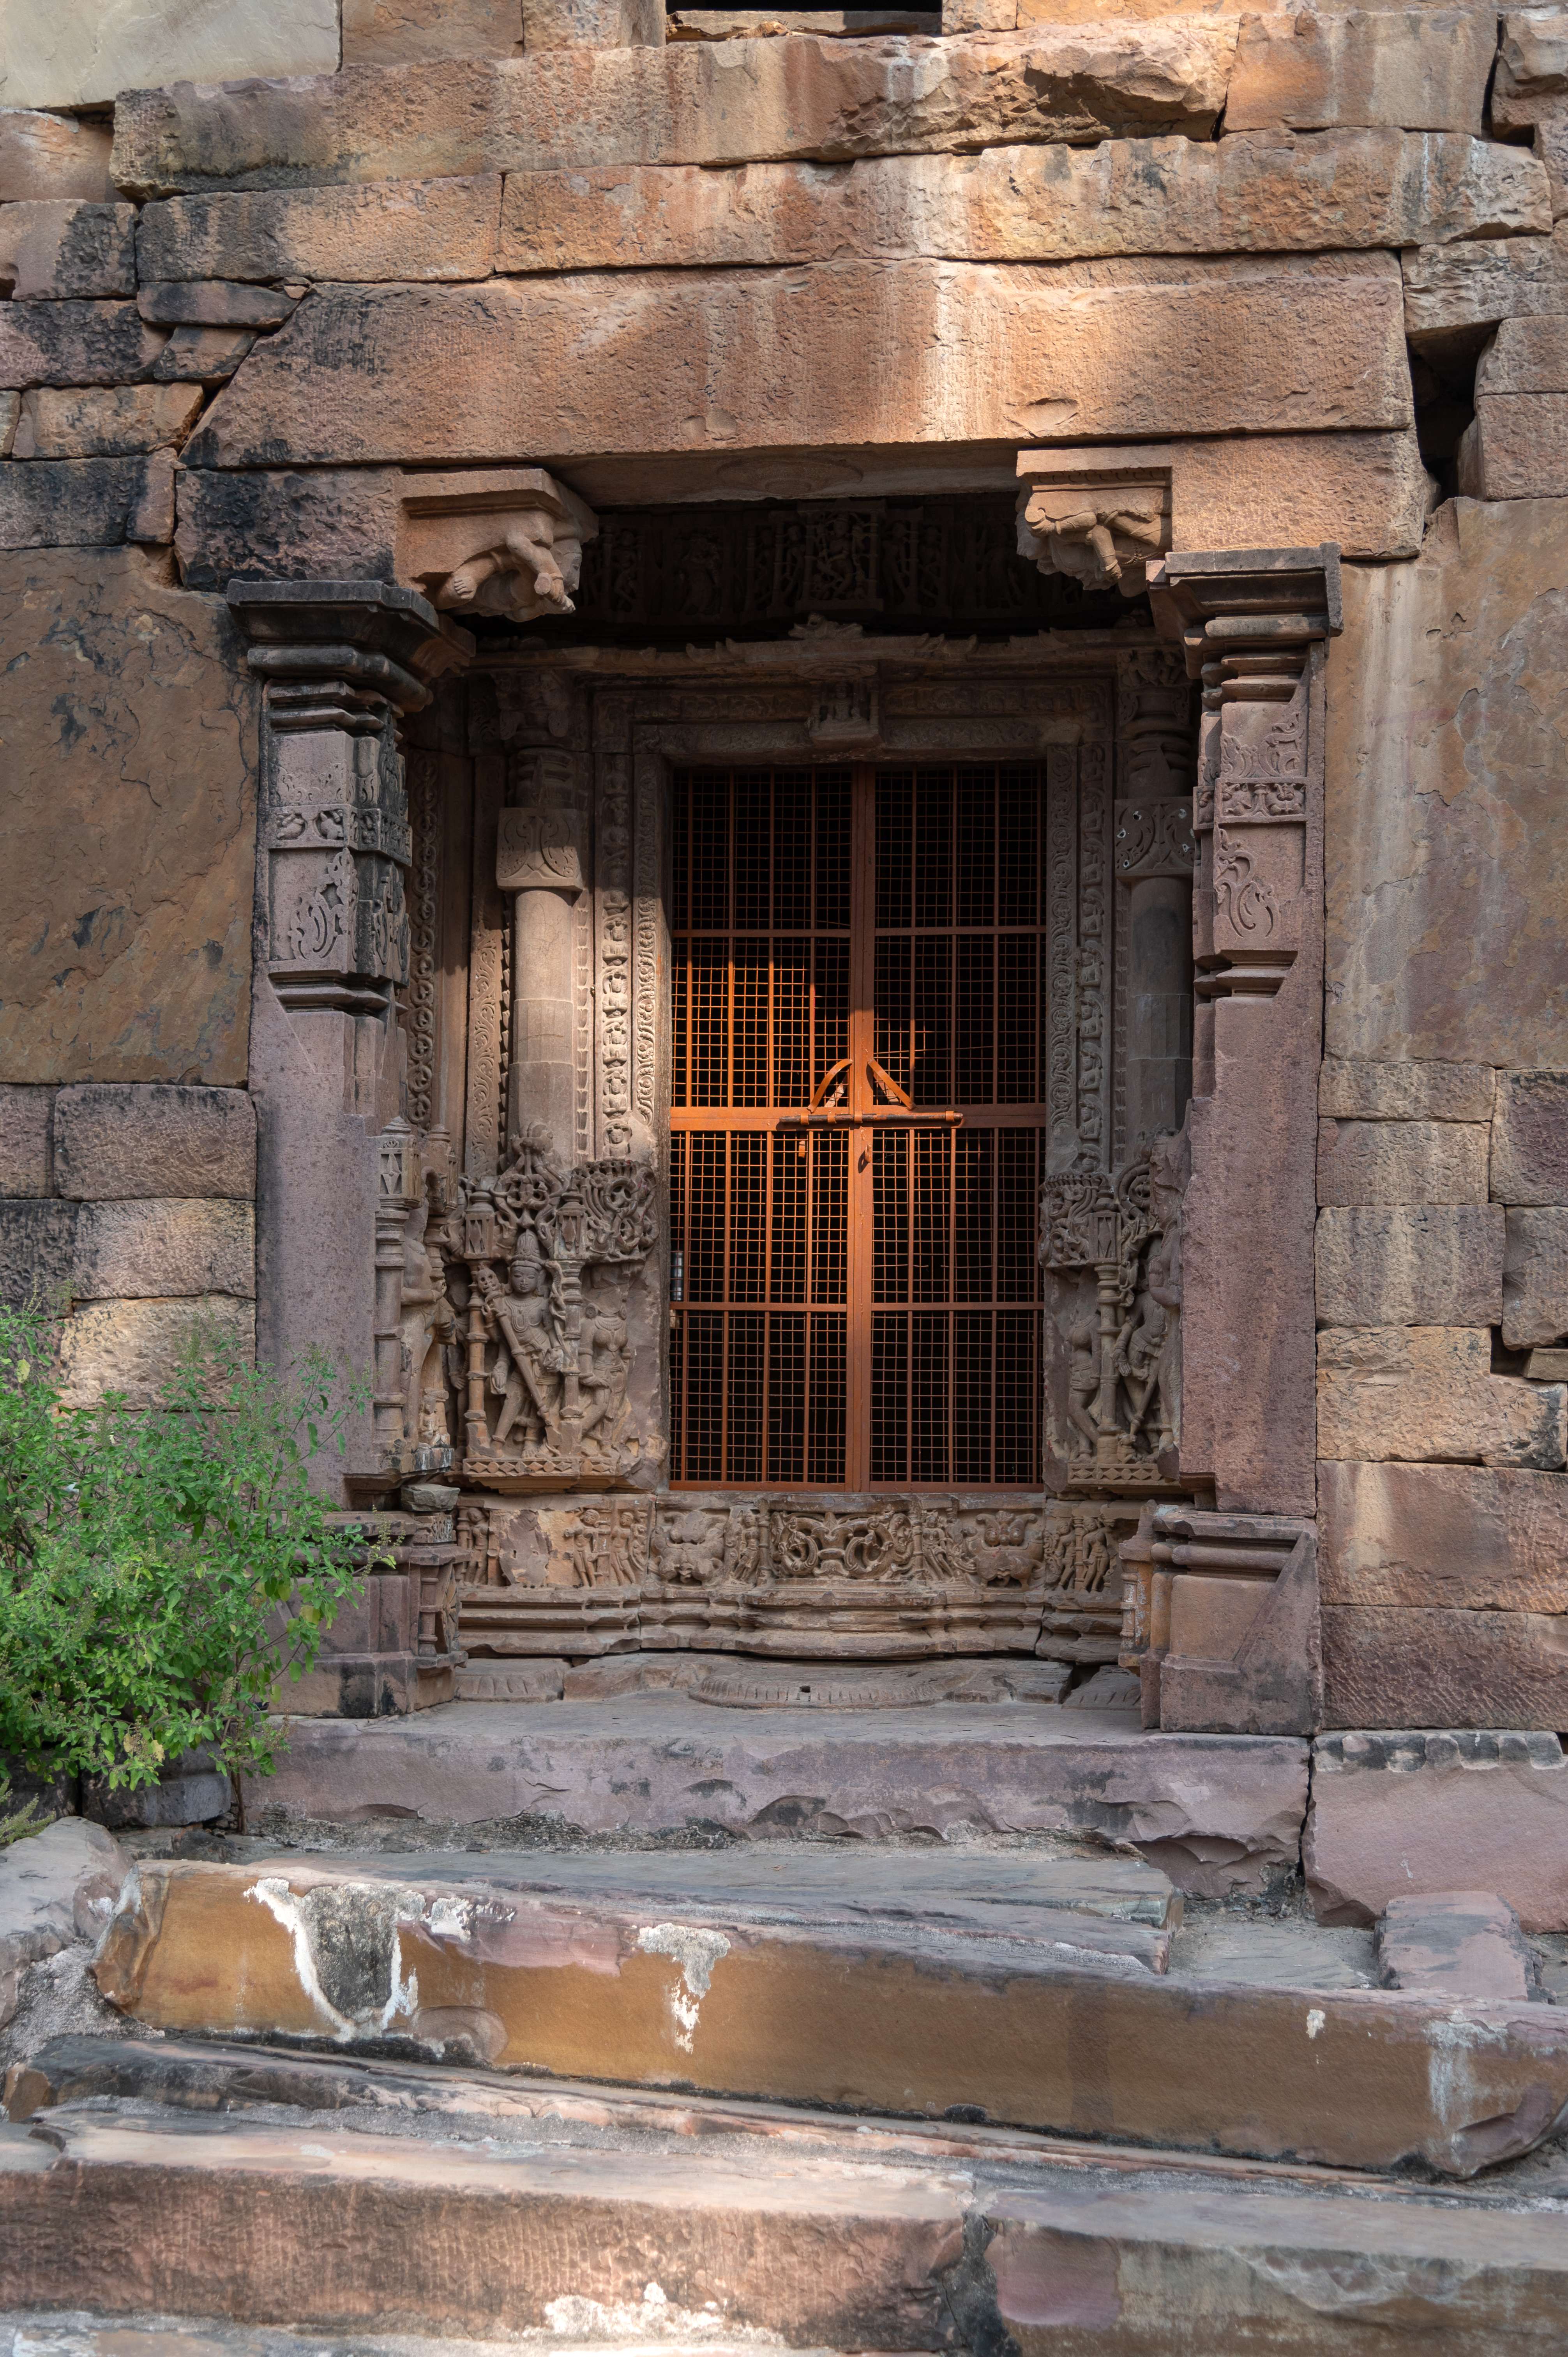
[858, 1127]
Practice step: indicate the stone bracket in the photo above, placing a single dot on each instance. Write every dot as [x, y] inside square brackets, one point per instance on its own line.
[1100, 523]
[504, 541]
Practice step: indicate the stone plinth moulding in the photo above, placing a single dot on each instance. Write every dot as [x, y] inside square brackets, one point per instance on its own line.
[1254, 627]
[339, 1175]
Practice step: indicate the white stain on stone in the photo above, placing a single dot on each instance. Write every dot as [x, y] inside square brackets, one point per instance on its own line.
[292, 1910]
[1314, 2021]
[697, 1951]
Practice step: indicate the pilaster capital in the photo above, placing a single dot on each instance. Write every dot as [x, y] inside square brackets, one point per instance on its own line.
[373, 635]
[1240, 603]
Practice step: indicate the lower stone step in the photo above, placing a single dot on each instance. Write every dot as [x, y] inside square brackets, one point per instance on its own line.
[968, 1990]
[719, 2230]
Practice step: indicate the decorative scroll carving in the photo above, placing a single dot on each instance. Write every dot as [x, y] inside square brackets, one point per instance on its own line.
[424, 805]
[541, 849]
[506, 541]
[1092, 974]
[548, 1358]
[614, 926]
[1153, 839]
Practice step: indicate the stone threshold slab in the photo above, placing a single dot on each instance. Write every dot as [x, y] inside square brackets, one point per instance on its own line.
[685, 1985]
[228, 2220]
[1220, 1815]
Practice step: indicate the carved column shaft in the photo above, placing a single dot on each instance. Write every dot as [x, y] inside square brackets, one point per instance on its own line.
[1255, 625]
[542, 862]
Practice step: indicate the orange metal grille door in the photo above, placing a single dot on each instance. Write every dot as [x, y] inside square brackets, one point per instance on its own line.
[858, 1127]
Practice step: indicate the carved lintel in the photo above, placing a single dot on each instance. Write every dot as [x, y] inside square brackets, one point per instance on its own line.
[844, 712]
[504, 541]
[1096, 523]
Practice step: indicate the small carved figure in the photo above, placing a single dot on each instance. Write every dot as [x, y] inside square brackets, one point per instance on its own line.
[1083, 1381]
[526, 1376]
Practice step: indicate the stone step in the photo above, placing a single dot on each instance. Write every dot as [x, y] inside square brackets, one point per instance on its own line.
[598, 2219]
[1016, 1989]
[1220, 1815]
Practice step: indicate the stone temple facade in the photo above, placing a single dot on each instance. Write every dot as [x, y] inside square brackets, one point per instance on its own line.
[813, 769]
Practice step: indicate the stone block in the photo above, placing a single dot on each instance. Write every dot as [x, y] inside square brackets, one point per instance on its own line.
[1527, 355]
[56, 247]
[123, 1144]
[87, 502]
[1457, 1537]
[1516, 449]
[135, 1347]
[1415, 69]
[75, 344]
[56, 1886]
[157, 1249]
[48, 157]
[189, 1790]
[1467, 1941]
[1425, 1394]
[114, 421]
[1352, 1088]
[10, 416]
[1535, 1276]
[182, 303]
[26, 1153]
[1430, 1667]
[1529, 1138]
[201, 355]
[1024, 204]
[1402, 1162]
[1455, 290]
[1400, 1265]
[396, 32]
[37, 1254]
[306, 526]
[595, 25]
[935, 351]
[691, 103]
[83, 53]
[408, 229]
[1443, 747]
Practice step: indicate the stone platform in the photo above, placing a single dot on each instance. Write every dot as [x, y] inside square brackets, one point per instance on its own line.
[1220, 1815]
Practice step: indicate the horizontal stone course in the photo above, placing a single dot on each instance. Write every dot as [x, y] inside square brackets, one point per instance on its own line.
[692, 103]
[1355, 1088]
[1425, 1667]
[1457, 1537]
[1406, 1162]
[1399, 1264]
[407, 229]
[1272, 193]
[933, 352]
[118, 1142]
[1529, 1138]
[1535, 1277]
[72, 343]
[108, 422]
[61, 247]
[87, 502]
[1425, 1393]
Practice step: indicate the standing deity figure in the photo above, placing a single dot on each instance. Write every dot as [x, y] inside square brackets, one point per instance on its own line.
[530, 1361]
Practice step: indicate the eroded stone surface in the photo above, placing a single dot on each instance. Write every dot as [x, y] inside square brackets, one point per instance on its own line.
[1433, 1265]
[1402, 1162]
[26, 1155]
[693, 102]
[1535, 1277]
[1442, 1535]
[1467, 1941]
[1464, 287]
[1445, 731]
[76, 343]
[393, 32]
[1529, 1138]
[61, 247]
[1424, 69]
[1419, 1667]
[87, 502]
[49, 156]
[134, 1346]
[110, 424]
[113, 1143]
[408, 229]
[1427, 1393]
[1397, 1813]
[961, 352]
[155, 1248]
[1352, 1088]
[124, 916]
[1126, 195]
[1217, 1813]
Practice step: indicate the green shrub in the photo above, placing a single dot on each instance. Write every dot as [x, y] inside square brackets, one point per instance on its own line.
[159, 1569]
